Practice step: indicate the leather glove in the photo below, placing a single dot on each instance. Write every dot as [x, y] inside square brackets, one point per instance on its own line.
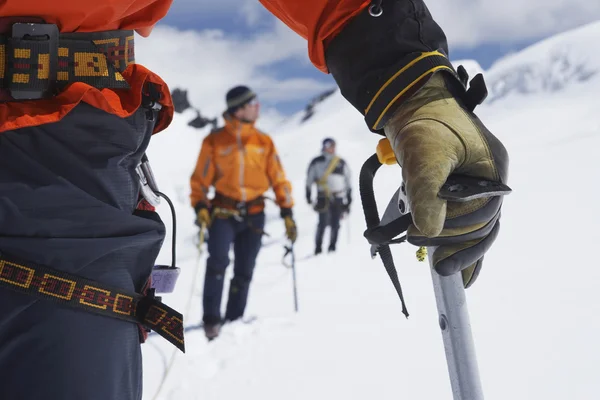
[432, 136]
[290, 228]
[203, 215]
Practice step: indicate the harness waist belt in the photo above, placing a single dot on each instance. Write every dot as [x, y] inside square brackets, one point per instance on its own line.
[242, 206]
[36, 61]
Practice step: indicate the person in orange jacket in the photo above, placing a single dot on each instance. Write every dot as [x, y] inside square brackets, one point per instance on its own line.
[241, 163]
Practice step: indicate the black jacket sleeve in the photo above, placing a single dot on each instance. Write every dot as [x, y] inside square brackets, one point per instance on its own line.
[378, 61]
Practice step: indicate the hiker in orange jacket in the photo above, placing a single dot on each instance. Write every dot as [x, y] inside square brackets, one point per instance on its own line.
[241, 163]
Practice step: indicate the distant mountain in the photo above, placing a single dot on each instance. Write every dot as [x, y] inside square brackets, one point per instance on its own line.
[309, 110]
[547, 66]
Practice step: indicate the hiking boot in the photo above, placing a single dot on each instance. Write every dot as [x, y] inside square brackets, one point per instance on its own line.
[318, 250]
[212, 330]
[331, 248]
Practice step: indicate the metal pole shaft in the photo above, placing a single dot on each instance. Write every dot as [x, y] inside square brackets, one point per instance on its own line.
[348, 229]
[294, 278]
[456, 332]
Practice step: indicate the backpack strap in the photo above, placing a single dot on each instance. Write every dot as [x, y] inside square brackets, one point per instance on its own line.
[322, 182]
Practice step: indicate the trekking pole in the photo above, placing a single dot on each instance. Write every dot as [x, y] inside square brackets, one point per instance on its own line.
[456, 332]
[201, 237]
[449, 291]
[348, 229]
[453, 313]
[290, 250]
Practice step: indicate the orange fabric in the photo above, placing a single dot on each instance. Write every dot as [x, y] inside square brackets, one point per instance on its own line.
[318, 21]
[241, 163]
[89, 16]
[121, 102]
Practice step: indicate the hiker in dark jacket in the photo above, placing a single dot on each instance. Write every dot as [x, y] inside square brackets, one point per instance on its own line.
[334, 192]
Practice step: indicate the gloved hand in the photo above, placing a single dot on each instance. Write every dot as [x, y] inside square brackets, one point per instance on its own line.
[202, 215]
[290, 225]
[308, 196]
[290, 228]
[348, 199]
[346, 208]
[432, 137]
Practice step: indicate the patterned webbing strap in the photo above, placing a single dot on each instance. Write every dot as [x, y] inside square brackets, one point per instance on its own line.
[70, 290]
[46, 63]
[322, 183]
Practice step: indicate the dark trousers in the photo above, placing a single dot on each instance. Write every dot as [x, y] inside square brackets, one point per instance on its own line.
[331, 217]
[68, 193]
[246, 238]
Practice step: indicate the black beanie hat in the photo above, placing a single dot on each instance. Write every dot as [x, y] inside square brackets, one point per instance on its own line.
[238, 97]
[327, 142]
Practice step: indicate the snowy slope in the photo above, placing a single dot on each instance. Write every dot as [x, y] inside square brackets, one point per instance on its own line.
[534, 309]
[549, 66]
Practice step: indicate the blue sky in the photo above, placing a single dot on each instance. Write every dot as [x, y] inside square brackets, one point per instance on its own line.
[484, 30]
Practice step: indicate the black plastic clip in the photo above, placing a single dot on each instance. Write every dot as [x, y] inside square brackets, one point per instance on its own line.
[43, 39]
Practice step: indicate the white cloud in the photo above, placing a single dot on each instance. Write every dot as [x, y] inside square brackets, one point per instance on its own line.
[253, 12]
[250, 12]
[289, 89]
[219, 60]
[208, 63]
[212, 6]
[277, 44]
[468, 23]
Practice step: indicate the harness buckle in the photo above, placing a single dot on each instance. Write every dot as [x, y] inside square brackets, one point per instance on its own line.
[30, 78]
[242, 208]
